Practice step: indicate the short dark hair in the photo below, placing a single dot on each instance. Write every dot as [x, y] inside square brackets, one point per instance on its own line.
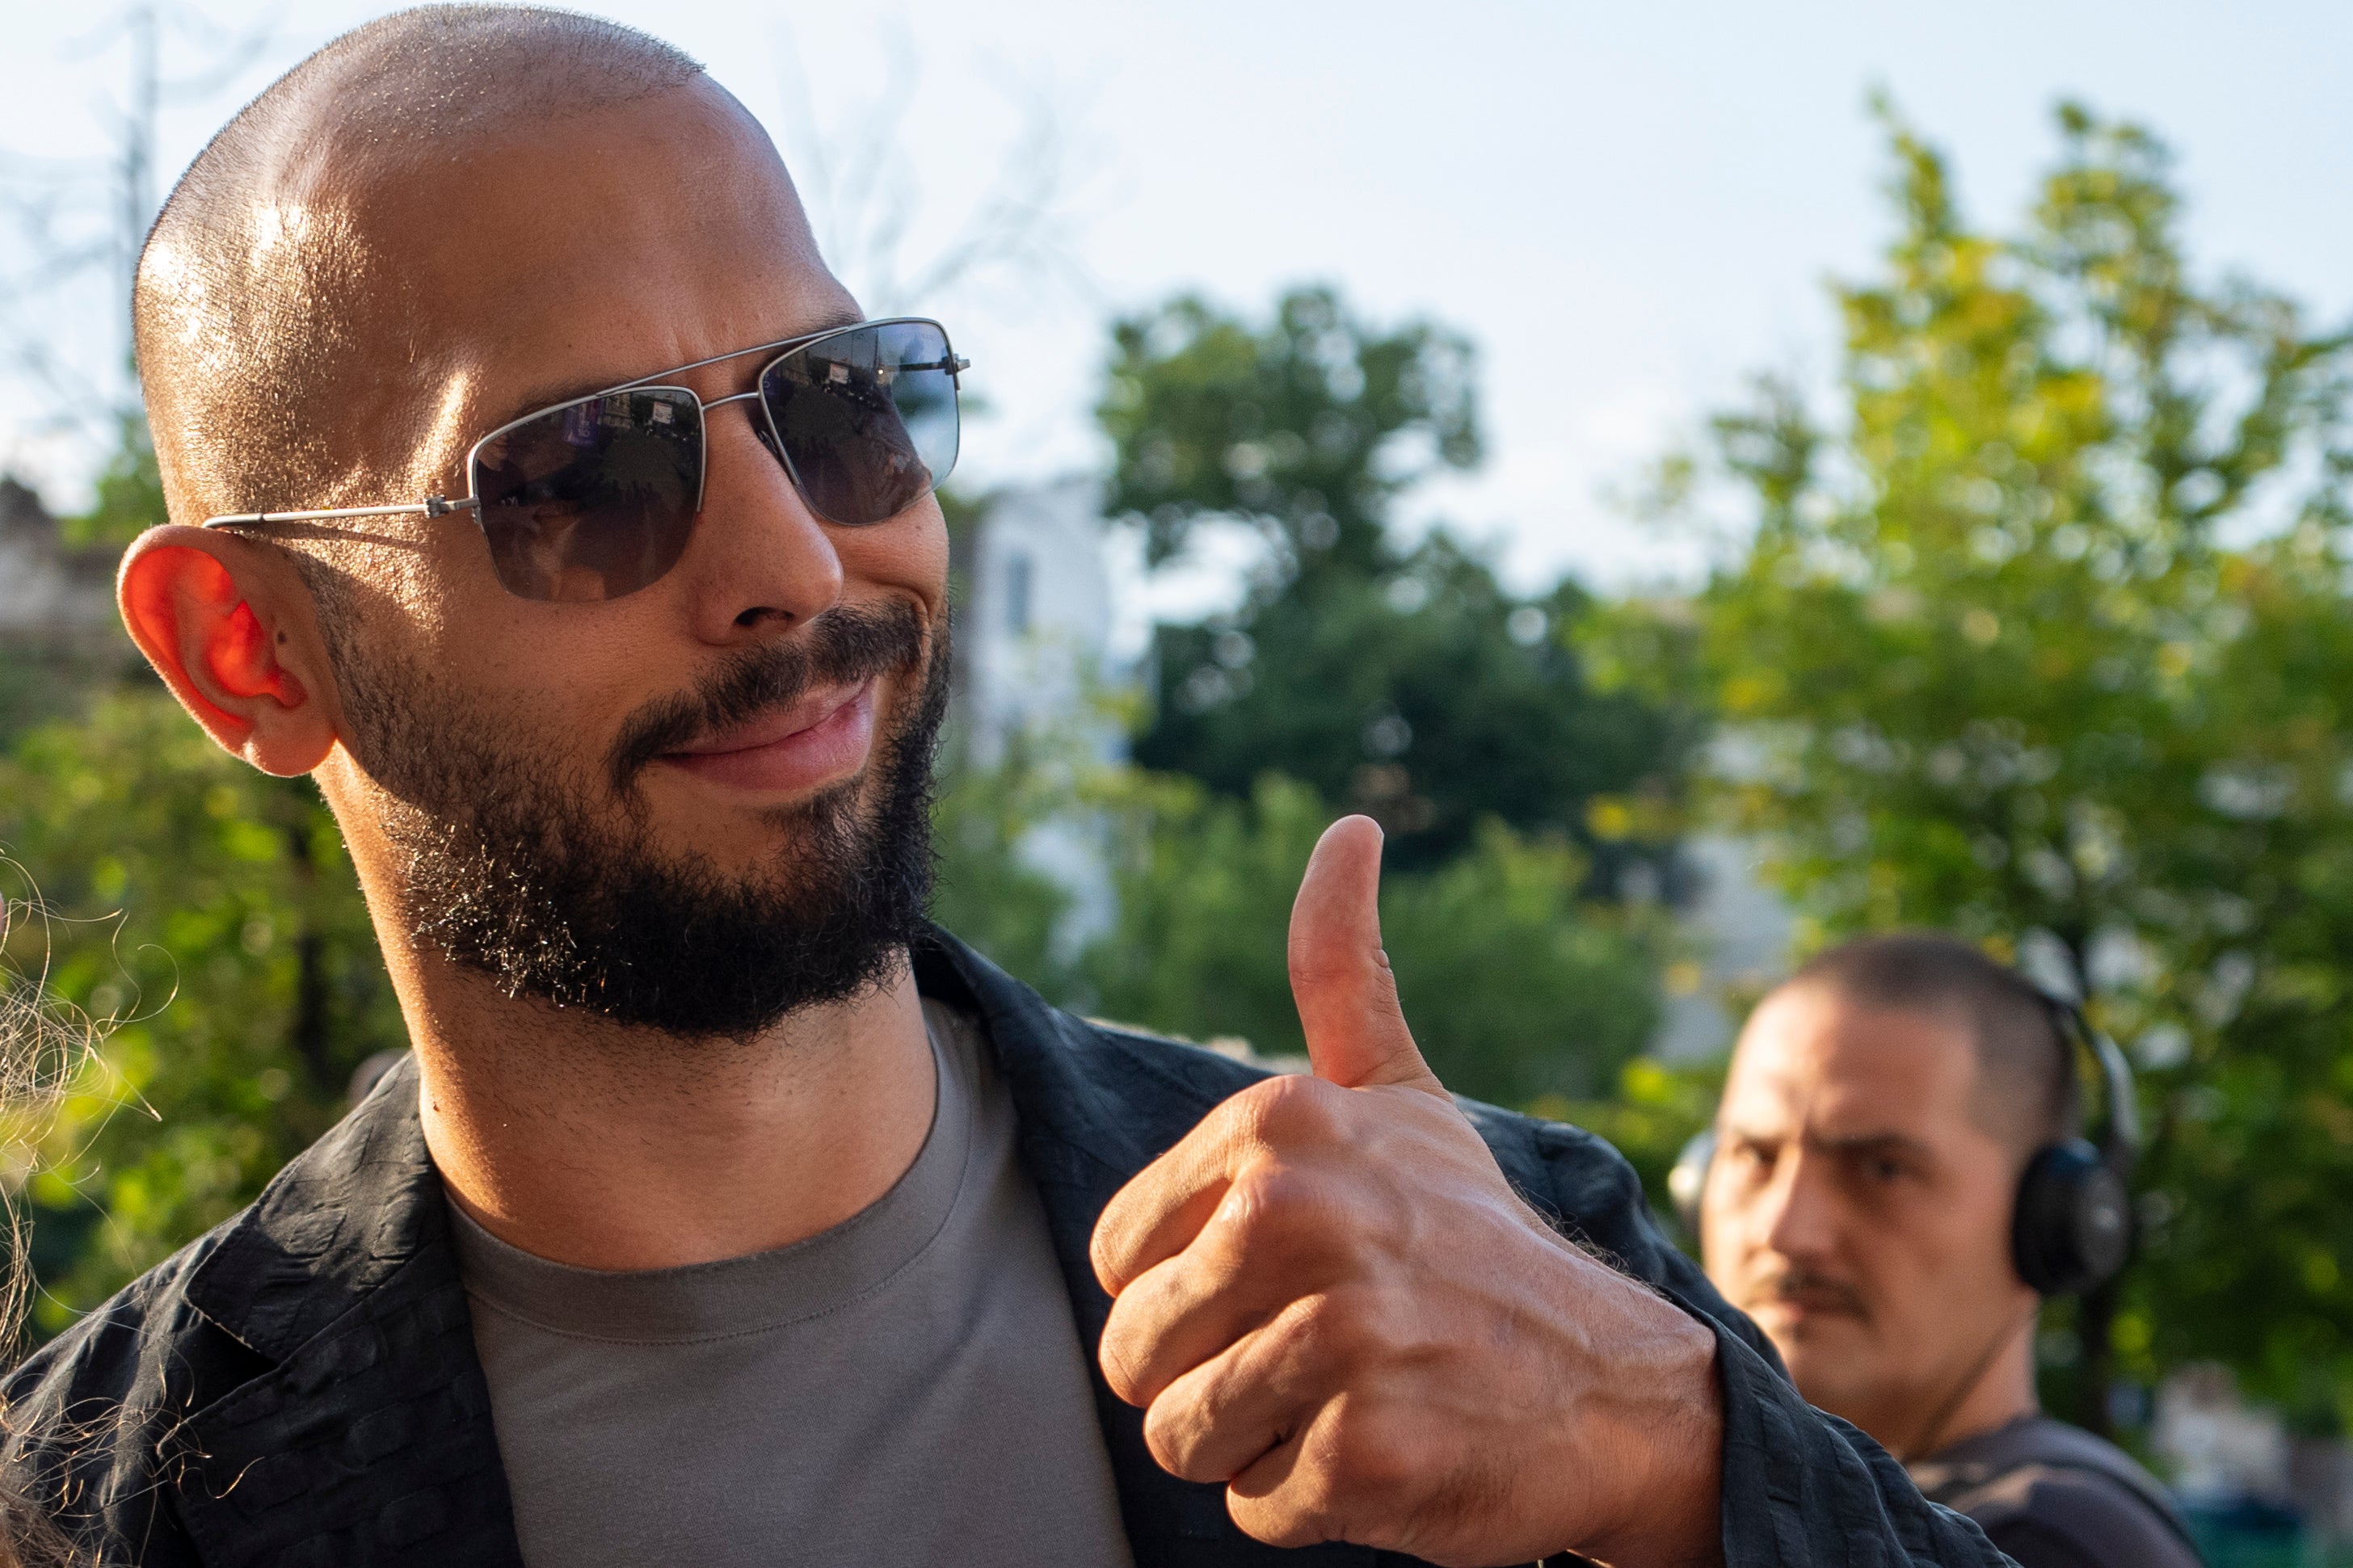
[2026, 1095]
[246, 296]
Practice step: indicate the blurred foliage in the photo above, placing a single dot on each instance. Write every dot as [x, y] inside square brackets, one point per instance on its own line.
[241, 968]
[1308, 426]
[1655, 1111]
[988, 890]
[1406, 684]
[2047, 632]
[1515, 987]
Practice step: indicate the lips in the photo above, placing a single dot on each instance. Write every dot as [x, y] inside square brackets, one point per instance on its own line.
[822, 737]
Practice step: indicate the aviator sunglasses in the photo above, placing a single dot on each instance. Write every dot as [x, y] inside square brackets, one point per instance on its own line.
[595, 497]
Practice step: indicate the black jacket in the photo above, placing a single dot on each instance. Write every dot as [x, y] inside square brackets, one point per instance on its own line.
[300, 1386]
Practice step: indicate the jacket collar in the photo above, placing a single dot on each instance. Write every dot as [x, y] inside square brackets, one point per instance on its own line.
[370, 1438]
[344, 1218]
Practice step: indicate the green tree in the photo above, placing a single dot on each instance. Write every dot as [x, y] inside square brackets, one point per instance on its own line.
[2001, 661]
[1409, 684]
[210, 910]
[1514, 988]
[1308, 426]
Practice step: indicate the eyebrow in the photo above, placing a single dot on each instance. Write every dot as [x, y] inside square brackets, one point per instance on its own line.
[1875, 1143]
[555, 395]
[1858, 1143]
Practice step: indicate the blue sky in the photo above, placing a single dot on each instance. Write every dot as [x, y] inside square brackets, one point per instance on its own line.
[1629, 207]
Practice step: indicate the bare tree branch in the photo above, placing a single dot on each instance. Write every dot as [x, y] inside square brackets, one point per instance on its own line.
[866, 200]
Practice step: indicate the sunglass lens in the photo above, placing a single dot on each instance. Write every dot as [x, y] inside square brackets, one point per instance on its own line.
[594, 500]
[866, 418]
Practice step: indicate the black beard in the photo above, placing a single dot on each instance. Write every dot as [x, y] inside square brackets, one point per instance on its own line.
[514, 872]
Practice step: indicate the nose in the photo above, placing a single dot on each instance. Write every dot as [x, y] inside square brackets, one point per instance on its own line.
[1795, 1211]
[760, 561]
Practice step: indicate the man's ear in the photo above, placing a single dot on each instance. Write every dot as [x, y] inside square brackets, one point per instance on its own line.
[228, 625]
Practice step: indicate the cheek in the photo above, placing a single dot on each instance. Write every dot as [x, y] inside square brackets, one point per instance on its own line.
[569, 672]
[1921, 1275]
[909, 553]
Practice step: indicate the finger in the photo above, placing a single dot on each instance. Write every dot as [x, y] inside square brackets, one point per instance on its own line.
[1356, 1034]
[1267, 1498]
[1163, 1206]
[1269, 1243]
[1223, 1417]
[1342, 1474]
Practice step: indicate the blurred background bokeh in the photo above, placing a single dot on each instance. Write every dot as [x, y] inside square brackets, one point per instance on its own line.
[1709, 481]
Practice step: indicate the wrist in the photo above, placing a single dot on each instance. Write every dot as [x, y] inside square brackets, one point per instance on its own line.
[1668, 1422]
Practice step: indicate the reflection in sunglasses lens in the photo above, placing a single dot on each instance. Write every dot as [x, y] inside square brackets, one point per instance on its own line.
[866, 418]
[597, 499]
[594, 500]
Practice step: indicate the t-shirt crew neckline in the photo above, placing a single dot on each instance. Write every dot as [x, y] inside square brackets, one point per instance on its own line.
[752, 1294]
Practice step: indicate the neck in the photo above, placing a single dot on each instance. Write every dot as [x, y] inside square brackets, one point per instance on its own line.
[1993, 1389]
[606, 1147]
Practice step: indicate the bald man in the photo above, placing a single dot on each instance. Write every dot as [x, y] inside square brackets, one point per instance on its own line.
[538, 492]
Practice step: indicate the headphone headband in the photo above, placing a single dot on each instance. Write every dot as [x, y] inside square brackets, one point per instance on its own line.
[2119, 1140]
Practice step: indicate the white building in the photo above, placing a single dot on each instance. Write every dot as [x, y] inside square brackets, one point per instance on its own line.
[1032, 647]
[51, 597]
[1033, 664]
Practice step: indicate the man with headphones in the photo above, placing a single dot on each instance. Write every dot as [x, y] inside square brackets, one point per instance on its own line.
[1893, 1182]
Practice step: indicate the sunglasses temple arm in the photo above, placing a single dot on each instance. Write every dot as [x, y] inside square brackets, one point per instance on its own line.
[431, 506]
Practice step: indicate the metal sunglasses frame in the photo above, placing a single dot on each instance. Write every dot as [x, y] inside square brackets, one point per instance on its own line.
[784, 349]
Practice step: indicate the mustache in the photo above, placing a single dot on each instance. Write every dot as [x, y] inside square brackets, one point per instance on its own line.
[842, 647]
[1805, 1288]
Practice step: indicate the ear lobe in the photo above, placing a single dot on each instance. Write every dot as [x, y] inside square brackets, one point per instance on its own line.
[214, 621]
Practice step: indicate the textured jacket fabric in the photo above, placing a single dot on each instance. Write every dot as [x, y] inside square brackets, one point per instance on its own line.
[300, 1386]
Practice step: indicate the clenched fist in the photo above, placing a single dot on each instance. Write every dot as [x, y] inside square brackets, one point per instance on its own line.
[1328, 1299]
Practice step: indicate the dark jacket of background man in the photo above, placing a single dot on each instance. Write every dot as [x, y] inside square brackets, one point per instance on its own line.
[2053, 1496]
[301, 1385]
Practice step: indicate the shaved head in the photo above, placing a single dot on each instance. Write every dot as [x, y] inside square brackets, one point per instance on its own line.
[437, 224]
[289, 351]
[2025, 1093]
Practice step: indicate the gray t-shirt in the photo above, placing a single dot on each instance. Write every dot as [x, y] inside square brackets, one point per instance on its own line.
[907, 1387]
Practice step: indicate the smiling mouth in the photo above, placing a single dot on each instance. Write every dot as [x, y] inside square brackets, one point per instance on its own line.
[823, 737]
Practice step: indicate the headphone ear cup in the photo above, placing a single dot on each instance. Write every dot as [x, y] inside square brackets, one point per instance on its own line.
[1688, 1180]
[2072, 1228]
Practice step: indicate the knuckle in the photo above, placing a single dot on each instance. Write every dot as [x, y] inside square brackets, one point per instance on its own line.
[1268, 1205]
[1281, 1522]
[1107, 1254]
[1173, 1433]
[1370, 1461]
[1117, 1355]
[1295, 1109]
[1333, 1328]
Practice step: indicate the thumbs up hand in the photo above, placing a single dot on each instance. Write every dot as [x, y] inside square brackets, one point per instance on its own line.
[1328, 1299]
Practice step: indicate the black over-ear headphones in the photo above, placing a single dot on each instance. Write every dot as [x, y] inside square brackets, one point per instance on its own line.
[2071, 1226]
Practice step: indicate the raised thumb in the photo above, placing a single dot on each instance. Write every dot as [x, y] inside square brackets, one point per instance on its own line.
[1356, 1034]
